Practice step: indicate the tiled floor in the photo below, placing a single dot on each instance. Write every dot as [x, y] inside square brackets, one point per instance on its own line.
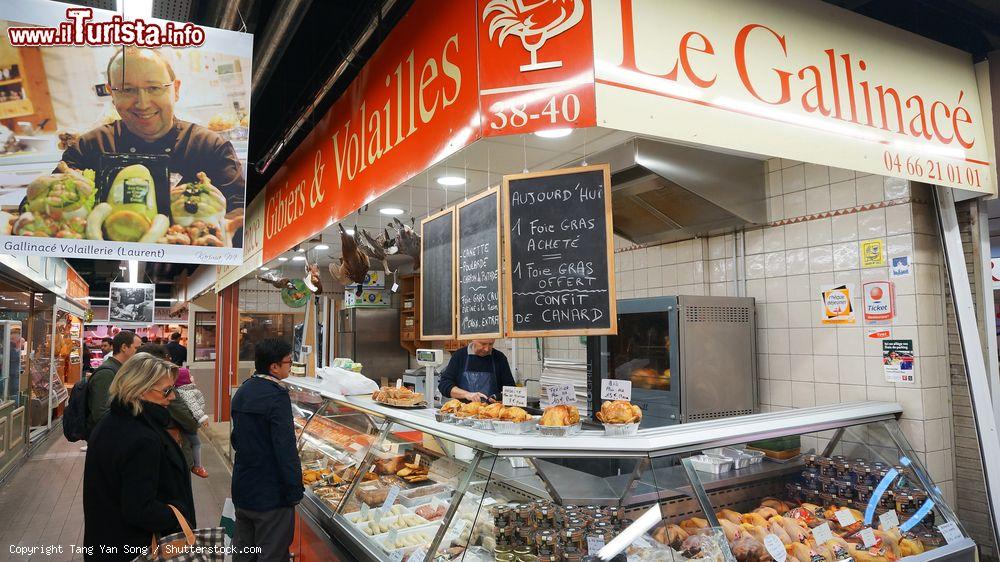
[42, 504]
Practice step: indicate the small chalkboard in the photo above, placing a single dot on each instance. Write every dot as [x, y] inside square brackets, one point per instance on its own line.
[558, 247]
[479, 266]
[437, 279]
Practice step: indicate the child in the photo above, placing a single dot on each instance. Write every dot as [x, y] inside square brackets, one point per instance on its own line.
[189, 394]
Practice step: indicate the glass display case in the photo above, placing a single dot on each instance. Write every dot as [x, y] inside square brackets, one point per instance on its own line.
[813, 485]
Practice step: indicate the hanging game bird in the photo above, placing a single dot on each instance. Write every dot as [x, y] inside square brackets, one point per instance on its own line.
[407, 242]
[353, 265]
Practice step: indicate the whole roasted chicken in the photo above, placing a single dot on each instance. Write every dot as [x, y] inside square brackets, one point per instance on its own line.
[353, 265]
[619, 411]
[560, 416]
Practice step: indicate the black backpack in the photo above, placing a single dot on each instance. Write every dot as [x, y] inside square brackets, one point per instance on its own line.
[75, 415]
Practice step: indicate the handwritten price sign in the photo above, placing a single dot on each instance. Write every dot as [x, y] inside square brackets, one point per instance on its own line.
[561, 394]
[515, 396]
[612, 389]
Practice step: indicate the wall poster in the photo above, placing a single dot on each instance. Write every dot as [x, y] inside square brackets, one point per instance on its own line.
[132, 303]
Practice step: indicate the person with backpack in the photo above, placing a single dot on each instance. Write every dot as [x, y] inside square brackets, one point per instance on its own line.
[123, 346]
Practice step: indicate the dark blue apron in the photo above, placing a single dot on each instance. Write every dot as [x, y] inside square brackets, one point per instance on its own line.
[479, 381]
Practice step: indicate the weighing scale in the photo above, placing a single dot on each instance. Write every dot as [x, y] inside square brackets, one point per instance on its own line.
[430, 360]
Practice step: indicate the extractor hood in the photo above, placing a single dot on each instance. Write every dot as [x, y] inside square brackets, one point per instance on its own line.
[666, 192]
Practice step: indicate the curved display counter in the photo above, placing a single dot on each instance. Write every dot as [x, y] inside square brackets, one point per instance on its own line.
[818, 484]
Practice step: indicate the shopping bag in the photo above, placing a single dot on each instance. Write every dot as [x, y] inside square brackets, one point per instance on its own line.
[228, 520]
[199, 545]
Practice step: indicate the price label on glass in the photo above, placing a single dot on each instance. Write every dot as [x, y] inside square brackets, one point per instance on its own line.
[515, 396]
[950, 532]
[390, 498]
[612, 389]
[560, 394]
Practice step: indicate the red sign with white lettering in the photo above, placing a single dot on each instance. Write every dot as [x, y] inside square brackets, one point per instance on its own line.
[76, 288]
[414, 103]
[536, 65]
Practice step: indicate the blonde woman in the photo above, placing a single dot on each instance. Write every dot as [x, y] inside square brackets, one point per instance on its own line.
[134, 468]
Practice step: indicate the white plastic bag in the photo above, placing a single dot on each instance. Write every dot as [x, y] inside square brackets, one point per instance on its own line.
[342, 381]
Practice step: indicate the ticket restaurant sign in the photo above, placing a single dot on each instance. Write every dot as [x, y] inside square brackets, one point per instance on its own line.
[799, 79]
[803, 80]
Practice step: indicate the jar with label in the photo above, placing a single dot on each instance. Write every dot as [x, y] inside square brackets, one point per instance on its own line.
[548, 556]
[810, 461]
[888, 500]
[571, 554]
[527, 558]
[810, 479]
[613, 512]
[504, 557]
[522, 551]
[525, 534]
[826, 468]
[524, 511]
[827, 485]
[547, 538]
[573, 536]
[501, 515]
[600, 516]
[845, 489]
[932, 540]
[844, 469]
[623, 524]
[545, 517]
[603, 530]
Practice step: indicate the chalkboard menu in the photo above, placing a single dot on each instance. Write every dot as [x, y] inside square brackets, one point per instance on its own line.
[479, 266]
[437, 279]
[558, 248]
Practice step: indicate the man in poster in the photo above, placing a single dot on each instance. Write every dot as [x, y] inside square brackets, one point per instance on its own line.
[144, 89]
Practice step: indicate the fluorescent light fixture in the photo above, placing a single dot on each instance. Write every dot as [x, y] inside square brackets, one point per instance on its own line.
[135, 9]
[553, 133]
[133, 271]
[300, 249]
[391, 211]
[282, 258]
[349, 231]
[451, 180]
[321, 247]
[299, 258]
[265, 268]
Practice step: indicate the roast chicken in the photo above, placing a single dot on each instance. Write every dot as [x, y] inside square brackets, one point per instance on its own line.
[560, 416]
[619, 411]
[514, 414]
[451, 406]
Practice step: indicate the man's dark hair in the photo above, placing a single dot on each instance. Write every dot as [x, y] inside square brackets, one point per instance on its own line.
[268, 352]
[156, 350]
[122, 339]
[106, 340]
[145, 339]
[176, 336]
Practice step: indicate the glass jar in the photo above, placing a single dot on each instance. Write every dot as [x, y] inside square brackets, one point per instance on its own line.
[571, 554]
[525, 536]
[545, 517]
[810, 461]
[546, 539]
[845, 489]
[501, 514]
[524, 511]
[574, 536]
[504, 557]
[548, 556]
[522, 551]
[613, 512]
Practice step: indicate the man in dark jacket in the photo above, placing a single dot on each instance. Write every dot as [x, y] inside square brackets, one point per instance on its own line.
[267, 477]
[123, 346]
[178, 353]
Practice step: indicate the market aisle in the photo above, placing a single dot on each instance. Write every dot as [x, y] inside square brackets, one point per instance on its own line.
[43, 503]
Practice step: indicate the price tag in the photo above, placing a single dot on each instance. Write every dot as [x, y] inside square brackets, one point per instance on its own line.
[612, 389]
[395, 287]
[399, 383]
[365, 510]
[390, 540]
[418, 555]
[561, 394]
[515, 396]
[396, 556]
[950, 532]
[416, 459]
[460, 527]
[594, 544]
[640, 542]
[390, 498]
[845, 517]
[822, 533]
[868, 537]
[889, 520]
[775, 548]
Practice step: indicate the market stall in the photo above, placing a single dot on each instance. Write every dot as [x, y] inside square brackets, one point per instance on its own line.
[455, 490]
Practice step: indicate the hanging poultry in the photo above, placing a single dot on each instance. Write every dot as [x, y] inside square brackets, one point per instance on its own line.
[353, 265]
[374, 248]
[407, 242]
[280, 283]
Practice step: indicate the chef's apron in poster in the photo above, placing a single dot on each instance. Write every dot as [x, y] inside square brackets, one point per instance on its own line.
[479, 381]
[135, 192]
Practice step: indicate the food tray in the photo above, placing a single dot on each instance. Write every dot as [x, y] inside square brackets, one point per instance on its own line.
[621, 429]
[514, 428]
[355, 516]
[558, 431]
[429, 530]
[485, 425]
[711, 463]
[459, 420]
[441, 416]
[741, 458]
[389, 519]
[406, 498]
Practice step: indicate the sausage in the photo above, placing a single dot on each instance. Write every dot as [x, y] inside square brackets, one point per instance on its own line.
[156, 230]
[95, 221]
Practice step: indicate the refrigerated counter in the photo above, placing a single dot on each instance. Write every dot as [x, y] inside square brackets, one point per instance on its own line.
[431, 490]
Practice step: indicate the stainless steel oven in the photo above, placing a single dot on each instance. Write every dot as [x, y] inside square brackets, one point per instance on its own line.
[689, 358]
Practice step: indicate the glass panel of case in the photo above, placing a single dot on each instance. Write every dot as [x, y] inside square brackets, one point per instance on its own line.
[864, 495]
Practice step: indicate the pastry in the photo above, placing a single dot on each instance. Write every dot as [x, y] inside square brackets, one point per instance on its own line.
[560, 416]
[619, 411]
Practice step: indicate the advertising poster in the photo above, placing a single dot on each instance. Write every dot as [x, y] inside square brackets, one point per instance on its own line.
[835, 305]
[873, 253]
[897, 360]
[880, 301]
[901, 266]
[128, 137]
[132, 303]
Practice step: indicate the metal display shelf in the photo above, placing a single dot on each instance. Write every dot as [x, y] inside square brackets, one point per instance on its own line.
[634, 473]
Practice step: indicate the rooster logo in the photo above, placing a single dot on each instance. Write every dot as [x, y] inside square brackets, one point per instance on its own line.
[534, 22]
